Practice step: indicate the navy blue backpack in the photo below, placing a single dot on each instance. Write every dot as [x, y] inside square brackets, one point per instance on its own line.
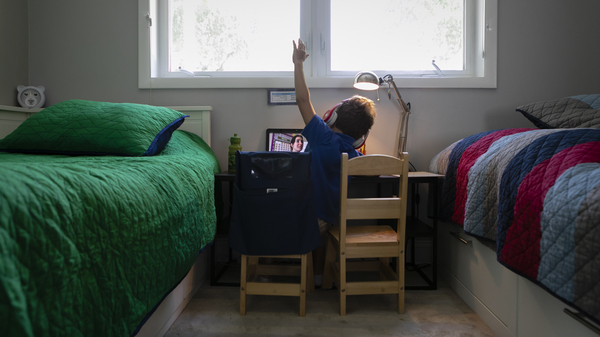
[273, 210]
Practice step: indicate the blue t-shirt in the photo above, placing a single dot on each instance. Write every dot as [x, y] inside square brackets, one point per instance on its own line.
[327, 147]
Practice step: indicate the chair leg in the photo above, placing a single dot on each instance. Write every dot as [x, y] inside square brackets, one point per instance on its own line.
[329, 261]
[243, 280]
[400, 272]
[342, 285]
[303, 273]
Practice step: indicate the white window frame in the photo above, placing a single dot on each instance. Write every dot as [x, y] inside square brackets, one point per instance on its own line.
[482, 38]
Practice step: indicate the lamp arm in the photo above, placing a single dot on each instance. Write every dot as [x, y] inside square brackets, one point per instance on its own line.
[403, 106]
[405, 112]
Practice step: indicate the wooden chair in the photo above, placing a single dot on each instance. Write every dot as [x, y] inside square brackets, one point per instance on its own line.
[273, 216]
[376, 244]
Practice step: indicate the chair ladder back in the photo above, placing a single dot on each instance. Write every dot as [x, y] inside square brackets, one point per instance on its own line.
[374, 165]
[373, 208]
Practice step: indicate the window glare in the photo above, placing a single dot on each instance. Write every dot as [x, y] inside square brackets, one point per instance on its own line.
[232, 35]
[397, 35]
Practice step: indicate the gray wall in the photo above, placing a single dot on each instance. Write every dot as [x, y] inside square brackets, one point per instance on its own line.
[14, 49]
[548, 49]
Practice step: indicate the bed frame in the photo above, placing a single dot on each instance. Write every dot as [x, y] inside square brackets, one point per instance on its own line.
[508, 303]
[173, 304]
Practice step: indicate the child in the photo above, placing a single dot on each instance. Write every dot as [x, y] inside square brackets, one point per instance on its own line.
[354, 118]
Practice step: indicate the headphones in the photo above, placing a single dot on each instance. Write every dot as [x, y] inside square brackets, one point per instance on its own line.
[331, 116]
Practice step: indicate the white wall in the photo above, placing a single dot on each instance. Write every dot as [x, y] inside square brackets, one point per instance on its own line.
[548, 49]
[13, 49]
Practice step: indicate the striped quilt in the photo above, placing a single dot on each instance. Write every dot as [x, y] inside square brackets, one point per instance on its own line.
[536, 195]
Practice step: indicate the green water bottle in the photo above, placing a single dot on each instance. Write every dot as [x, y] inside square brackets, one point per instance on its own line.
[235, 146]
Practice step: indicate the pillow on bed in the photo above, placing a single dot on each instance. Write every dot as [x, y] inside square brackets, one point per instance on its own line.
[581, 111]
[95, 128]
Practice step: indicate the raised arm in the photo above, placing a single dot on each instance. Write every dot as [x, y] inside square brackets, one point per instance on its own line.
[302, 93]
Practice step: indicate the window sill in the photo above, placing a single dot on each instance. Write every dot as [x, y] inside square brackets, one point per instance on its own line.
[331, 82]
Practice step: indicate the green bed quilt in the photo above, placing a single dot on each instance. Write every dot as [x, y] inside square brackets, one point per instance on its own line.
[89, 245]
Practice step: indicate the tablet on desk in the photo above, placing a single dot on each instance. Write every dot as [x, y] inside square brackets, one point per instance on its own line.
[281, 139]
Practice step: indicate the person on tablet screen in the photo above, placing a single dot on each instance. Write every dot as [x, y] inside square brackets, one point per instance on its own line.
[297, 143]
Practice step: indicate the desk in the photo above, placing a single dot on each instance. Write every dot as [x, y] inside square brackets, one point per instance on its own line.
[415, 227]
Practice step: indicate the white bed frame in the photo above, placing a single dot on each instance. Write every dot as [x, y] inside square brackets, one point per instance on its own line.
[508, 303]
[170, 308]
[11, 117]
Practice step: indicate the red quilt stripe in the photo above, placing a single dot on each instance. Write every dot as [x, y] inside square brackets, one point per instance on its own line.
[467, 160]
[522, 246]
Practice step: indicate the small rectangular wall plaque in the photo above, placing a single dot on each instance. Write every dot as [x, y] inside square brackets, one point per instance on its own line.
[281, 97]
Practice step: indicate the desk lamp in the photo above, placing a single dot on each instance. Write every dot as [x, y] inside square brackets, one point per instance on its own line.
[367, 80]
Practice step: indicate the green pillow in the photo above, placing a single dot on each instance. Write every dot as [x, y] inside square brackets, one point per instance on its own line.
[79, 127]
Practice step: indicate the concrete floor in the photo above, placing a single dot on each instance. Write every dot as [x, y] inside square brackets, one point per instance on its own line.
[214, 311]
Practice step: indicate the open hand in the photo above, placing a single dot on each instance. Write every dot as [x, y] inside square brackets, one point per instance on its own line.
[299, 55]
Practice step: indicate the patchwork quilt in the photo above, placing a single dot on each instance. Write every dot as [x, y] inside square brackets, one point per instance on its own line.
[89, 245]
[535, 194]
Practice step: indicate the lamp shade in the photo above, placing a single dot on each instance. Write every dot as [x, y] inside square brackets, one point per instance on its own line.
[366, 80]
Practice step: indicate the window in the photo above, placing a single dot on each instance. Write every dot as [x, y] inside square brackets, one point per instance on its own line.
[248, 43]
[217, 37]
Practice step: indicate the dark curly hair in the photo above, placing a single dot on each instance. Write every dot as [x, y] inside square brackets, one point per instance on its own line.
[356, 116]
